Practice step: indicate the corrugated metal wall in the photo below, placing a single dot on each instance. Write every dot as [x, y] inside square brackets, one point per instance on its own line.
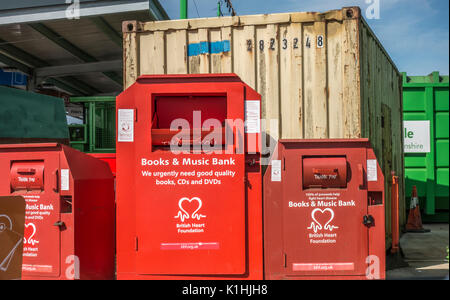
[304, 64]
[382, 120]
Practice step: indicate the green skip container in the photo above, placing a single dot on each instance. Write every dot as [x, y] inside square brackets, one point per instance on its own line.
[426, 135]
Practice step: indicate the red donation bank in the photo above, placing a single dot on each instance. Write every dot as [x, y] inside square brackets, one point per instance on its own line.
[109, 158]
[324, 211]
[69, 216]
[189, 203]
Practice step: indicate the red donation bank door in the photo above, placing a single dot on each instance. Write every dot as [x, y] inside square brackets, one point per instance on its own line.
[69, 216]
[188, 175]
[324, 211]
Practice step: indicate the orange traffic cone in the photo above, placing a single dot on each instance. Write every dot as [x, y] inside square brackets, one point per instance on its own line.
[414, 218]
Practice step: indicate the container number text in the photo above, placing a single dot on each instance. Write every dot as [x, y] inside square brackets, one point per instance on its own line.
[272, 43]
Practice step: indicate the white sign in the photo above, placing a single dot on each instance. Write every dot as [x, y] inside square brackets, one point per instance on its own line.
[125, 126]
[276, 170]
[417, 136]
[252, 116]
[372, 170]
[64, 179]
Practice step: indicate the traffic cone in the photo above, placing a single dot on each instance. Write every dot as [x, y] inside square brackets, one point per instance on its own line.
[414, 218]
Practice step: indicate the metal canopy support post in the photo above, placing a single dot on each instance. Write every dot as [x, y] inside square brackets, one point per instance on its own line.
[183, 9]
[92, 125]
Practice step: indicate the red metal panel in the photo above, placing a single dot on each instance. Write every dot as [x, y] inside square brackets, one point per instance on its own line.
[191, 218]
[69, 229]
[41, 255]
[109, 158]
[319, 216]
[377, 238]
[195, 221]
[314, 223]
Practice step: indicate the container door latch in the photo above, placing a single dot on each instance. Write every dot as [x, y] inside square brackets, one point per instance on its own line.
[368, 221]
[60, 224]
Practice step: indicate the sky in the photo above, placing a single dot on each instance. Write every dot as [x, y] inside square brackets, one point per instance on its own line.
[415, 33]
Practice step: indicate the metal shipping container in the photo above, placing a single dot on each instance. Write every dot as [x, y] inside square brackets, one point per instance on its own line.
[321, 75]
[426, 99]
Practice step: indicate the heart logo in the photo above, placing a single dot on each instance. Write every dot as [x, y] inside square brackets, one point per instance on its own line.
[125, 127]
[319, 217]
[186, 206]
[30, 231]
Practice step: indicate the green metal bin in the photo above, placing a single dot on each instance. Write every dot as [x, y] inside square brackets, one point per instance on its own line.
[426, 98]
[27, 117]
[98, 133]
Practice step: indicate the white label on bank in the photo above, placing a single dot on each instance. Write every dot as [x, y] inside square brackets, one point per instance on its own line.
[64, 179]
[372, 170]
[276, 170]
[252, 116]
[125, 126]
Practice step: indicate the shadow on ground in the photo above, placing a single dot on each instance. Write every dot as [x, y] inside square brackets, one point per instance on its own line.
[424, 253]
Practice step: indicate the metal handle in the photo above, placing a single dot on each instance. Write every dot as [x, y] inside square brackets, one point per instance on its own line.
[252, 162]
[59, 224]
[368, 220]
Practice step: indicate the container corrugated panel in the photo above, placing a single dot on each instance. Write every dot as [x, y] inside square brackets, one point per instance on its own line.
[30, 117]
[321, 75]
[426, 98]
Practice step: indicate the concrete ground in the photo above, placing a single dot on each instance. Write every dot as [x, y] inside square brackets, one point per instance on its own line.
[425, 253]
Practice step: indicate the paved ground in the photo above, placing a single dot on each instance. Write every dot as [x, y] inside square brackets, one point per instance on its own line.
[425, 253]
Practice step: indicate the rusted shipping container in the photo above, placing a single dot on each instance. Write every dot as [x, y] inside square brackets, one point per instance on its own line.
[321, 75]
